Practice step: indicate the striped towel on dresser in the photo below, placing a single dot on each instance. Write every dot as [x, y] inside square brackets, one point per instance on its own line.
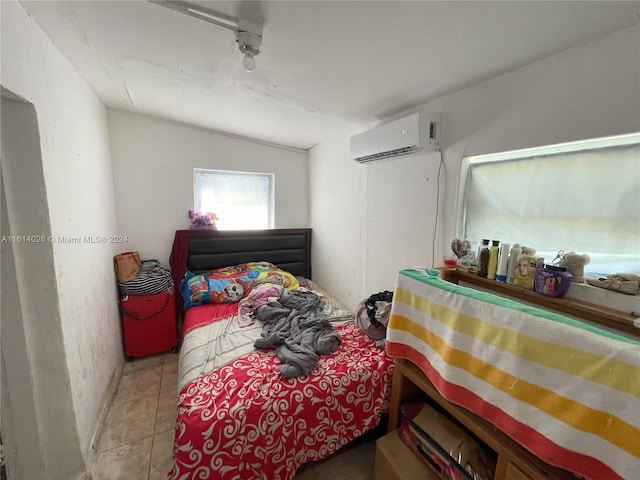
[566, 391]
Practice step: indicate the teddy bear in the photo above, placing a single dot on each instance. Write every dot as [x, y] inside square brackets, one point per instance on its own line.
[575, 263]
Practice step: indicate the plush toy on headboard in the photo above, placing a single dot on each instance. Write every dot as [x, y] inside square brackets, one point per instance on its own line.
[202, 221]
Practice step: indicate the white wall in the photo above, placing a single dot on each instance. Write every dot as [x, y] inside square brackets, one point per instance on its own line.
[400, 213]
[588, 91]
[338, 216]
[78, 198]
[153, 162]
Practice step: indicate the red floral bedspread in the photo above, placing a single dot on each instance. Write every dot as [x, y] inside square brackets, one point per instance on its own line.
[245, 421]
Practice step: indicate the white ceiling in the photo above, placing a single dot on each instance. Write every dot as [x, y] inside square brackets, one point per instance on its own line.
[324, 66]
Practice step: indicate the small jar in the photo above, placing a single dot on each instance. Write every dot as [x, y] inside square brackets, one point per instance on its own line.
[552, 281]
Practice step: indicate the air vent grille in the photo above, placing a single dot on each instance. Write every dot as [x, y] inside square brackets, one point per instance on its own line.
[391, 153]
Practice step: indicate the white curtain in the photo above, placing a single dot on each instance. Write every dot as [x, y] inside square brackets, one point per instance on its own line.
[242, 201]
[584, 201]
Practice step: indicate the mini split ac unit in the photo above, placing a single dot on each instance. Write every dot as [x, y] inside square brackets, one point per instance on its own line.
[418, 132]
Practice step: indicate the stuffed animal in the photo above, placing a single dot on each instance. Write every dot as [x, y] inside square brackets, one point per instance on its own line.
[202, 221]
[575, 263]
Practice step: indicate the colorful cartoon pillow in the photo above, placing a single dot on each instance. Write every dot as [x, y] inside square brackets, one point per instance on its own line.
[232, 283]
[269, 273]
[216, 287]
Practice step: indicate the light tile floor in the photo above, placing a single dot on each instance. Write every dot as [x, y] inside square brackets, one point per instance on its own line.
[137, 437]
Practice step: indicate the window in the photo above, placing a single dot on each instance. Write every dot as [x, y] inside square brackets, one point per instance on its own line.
[582, 197]
[241, 200]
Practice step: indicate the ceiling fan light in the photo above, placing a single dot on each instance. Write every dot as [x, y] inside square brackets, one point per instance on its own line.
[248, 41]
[249, 44]
[248, 62]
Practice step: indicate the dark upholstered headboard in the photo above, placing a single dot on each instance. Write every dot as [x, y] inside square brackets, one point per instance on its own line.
[288, 249]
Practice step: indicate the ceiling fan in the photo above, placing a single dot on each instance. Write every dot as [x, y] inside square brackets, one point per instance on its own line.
[248, 32]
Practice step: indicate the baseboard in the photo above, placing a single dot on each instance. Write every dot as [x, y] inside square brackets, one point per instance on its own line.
[104, 409]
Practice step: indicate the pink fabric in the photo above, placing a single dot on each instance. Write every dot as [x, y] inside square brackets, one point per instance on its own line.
[261, 294]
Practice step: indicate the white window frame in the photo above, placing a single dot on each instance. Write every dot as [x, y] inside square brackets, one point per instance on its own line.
[270, 177]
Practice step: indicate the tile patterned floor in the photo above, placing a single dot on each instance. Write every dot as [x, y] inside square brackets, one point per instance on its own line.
[137, 437]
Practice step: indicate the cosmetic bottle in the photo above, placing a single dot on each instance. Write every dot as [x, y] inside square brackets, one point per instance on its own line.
[552, 281]
[493, 260]
[503, 259]
[515, 252]
[485, 243]
[484, 259]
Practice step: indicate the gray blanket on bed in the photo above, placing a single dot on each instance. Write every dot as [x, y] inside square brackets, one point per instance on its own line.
[298, 330]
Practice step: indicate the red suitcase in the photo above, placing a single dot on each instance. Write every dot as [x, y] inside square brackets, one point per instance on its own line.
[149, 324]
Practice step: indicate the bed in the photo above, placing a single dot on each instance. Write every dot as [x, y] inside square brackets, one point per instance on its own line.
[564, 390]
[239, 416]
